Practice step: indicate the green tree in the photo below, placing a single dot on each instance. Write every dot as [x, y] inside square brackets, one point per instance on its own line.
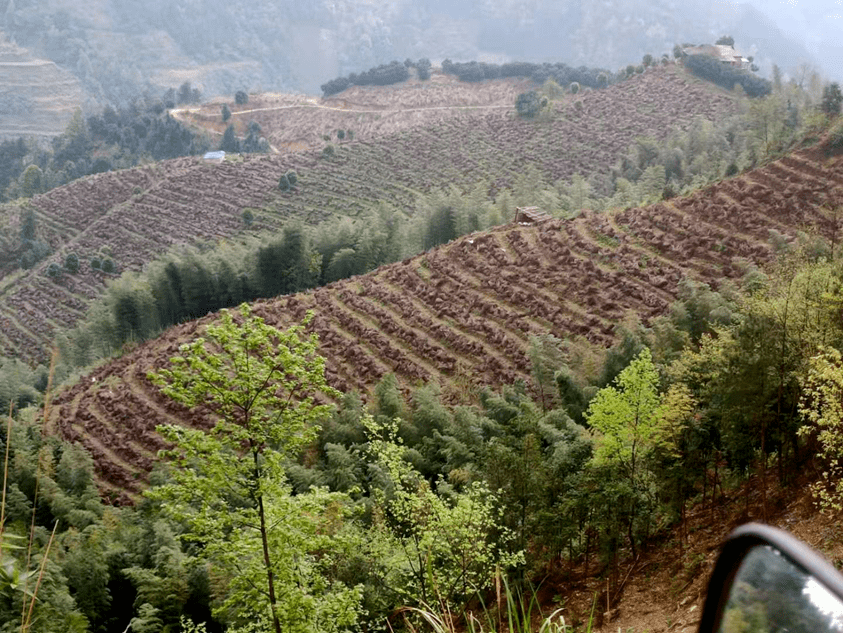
[71, 263]
[821, 408]
[450, 544]
[241, 97]
[832, 99]
[262, 386]
[630, 424]
[528, 104]
[226, 113]
[229, 141]
[28, 224]
[726, 40]
[31, 181]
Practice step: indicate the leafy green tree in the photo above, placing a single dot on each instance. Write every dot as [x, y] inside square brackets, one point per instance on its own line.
[32, 181]
[726, 40]
[450, 543]
[241, 97]
[832, 99]
[262, 386]
[629, 422]
[821, 408]
[226, 113]
[647, 60]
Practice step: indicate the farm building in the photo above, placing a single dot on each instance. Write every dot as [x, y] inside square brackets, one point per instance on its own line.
[726, 54]
[530, 215]
[217, 157]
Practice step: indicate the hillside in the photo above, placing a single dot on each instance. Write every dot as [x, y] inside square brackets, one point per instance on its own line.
[294, 123]
[37, 97]
[222, 47]
[137, 214]
[462, 314]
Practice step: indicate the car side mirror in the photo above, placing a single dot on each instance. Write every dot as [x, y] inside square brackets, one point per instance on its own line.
[767, 581]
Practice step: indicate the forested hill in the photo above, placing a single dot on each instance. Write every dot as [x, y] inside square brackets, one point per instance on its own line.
[463, 315]
[131, 217]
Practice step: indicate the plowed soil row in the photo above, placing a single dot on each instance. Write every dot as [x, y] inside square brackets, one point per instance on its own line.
[463, 314]
[136, 215]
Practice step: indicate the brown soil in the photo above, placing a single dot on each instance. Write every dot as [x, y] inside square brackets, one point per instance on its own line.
[462, 314]
[665, 590]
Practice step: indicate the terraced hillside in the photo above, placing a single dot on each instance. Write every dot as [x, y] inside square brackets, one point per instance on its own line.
[137, 214]
[462, 314]
[37, 98]
[294, 123]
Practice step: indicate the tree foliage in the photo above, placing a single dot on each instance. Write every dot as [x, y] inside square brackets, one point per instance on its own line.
[726, 76]
[832, 99]
[261, 384]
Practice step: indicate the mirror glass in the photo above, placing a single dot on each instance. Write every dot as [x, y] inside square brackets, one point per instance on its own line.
[771, 594]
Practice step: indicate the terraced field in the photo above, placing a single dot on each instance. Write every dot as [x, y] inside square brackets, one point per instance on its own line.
[462, 314]
[138, 214]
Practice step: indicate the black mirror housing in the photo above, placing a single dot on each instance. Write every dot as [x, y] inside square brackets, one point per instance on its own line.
[817, 583]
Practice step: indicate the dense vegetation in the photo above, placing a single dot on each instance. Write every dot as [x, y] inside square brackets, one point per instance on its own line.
[726, 76]
[383, 75]
[336, 517]
[561, 73]
[411, 501]
[114, 139]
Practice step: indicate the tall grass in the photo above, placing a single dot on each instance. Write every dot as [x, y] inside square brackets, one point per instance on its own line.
[10, 576]
[515, 612]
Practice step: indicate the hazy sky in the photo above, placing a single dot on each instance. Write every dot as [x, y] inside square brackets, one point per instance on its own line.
[808, 21]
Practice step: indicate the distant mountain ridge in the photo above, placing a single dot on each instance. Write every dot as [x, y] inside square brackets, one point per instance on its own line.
[117, 48]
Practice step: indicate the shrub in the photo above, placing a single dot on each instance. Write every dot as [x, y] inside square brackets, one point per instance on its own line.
[95, 263]
[292, 177]
[328, 152]
[71, 263]
[832, 99]
[248, 217]
[340, 134]
[241, 97]
[284, 183]
[226, 113]
[834, 145]
[574, 88]
[53, 270]
[108, 265]
[528, 104]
